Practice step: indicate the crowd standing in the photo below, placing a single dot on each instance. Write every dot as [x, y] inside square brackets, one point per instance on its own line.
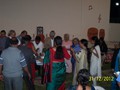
[61, 57]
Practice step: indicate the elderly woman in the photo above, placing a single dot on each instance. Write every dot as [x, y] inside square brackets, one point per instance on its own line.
[77, 49]
[11, 34]
[81, 59]
[67, 44]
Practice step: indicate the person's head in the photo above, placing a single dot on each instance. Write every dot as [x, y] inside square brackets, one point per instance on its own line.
[3, 33]
[59, 50]
[52, 34]
[75, 41]
[83, 43]
[95, 40]
[12, 33]
[23, 33]
[37, 39]
[58, 41]
[28, 38]
[14, 41]
[101, 38]
[83, 78]
[24, 40]
[66, 37]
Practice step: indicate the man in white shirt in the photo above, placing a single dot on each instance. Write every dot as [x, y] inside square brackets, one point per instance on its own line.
[38, 44]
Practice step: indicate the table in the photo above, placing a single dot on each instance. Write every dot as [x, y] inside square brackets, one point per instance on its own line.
[38, 67]
[39, 63]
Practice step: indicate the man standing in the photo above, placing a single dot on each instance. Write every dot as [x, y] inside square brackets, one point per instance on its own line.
[49, 41]
[13, 62]
[29, 57]
[3, 40]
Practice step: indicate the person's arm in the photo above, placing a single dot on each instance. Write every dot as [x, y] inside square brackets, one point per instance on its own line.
[33, 49]
[24, 65]
[73, 53]
[1, 76]
[26, 70]
[66, 54]
[32, 58]
[1, 64]
[0, 69]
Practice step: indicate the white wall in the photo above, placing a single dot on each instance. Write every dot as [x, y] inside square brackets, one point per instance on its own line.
[90, 17]
[63, 16]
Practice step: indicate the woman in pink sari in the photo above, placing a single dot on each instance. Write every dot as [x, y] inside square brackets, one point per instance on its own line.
[67, 44]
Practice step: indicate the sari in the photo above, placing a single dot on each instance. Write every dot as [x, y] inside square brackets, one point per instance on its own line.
[46, 68]
[30, 45]
[80, 63]
[117, 68]
[67, 45]
[54, 72]
[95, 63]
[76, 49]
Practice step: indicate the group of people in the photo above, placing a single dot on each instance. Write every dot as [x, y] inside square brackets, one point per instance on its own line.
[60, 57]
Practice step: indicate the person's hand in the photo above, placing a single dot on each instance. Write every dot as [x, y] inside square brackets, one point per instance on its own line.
[117, 74]
[40, 59]
[37, 49]
[29, 76]
[77, 61]
[91, 50]
[1, 77]
[72, 49]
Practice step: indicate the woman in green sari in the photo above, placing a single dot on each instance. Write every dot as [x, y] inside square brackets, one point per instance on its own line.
[54, 66]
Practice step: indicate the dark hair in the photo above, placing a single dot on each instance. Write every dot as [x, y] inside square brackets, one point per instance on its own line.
[37, 38]
[96, 40]
[103, 45]
[11, 32]
[59, 49]
[23, 40]
[52, 33]
[75, 39]
[24, 31]
[28, 38]
[85, 43]
[83, 78]
[3, 31]
[13, 41]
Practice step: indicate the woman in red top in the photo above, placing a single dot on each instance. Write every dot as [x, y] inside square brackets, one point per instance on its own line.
[57, 65]
[30, 45]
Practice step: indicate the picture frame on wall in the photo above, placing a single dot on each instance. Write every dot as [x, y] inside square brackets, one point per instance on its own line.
[39, 30]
